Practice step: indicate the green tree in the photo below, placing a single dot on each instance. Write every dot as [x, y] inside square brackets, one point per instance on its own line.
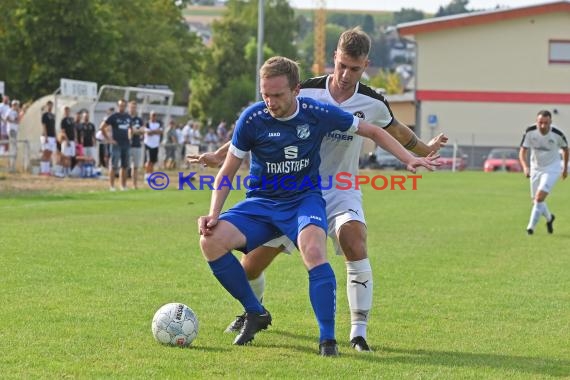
[388, 81]
[230, 69]
[108, 42]
[407, 15]
[453, 8]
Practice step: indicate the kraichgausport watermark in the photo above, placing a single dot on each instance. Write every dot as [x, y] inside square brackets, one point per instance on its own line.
[340, 181]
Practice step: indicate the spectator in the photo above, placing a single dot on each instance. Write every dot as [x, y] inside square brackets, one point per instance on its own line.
[87, 137]
[69, 140]
[136, 151]
[119, 138]
[104, 152]
[49, 141]
[222, 132]
[4, 108]
[170, 145]
[12, 118]
[153, 132]
[211, 140]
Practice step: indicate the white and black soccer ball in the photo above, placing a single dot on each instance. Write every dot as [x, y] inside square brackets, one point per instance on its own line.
[175, 324]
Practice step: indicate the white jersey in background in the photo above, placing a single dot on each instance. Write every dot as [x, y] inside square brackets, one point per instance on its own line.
[545, 149]
[340, 151]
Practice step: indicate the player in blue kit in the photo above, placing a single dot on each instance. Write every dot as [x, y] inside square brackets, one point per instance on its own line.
[283, 134]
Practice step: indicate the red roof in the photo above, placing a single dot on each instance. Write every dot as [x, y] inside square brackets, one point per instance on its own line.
[477, 18]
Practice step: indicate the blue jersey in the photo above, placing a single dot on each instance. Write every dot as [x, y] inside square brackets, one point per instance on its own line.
[120, 124]
[285, 152]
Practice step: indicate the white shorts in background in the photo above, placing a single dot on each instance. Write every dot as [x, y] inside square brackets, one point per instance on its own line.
[543, 181]
[48, 143]
[136, 157]
[68, 148]
[90, 151]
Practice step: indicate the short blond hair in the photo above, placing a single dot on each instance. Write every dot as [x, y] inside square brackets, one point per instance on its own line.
[277, 66]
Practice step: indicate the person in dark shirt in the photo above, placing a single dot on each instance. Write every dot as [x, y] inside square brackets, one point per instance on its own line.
[68, 140]
[120, 142]
[87, 136]
[48, 139]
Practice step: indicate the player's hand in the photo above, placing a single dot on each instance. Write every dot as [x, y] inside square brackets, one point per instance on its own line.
[437, 142]
[206, 224]
[526, 172]
[429, 162]
[209, 159]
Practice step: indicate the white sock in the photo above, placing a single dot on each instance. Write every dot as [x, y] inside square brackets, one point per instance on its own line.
[546, 212]
[359, 291]
[42, 167]
[535, 215]
[258, 286]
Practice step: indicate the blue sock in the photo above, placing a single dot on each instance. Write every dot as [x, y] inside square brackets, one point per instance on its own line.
[231, 275]
[322, 292]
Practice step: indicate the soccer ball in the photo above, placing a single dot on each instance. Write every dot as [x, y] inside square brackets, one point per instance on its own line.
[175, 324]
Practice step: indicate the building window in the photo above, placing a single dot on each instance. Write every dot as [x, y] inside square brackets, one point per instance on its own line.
[559, 51]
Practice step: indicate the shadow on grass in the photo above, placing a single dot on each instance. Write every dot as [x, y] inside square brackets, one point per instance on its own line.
[419, 357]
[542, 366]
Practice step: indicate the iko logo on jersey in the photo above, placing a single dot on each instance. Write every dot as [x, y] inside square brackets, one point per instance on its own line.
[340, 181]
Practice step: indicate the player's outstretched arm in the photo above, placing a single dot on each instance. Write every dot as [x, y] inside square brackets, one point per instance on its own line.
[210, 159]
[411, 142]
[220, 193]
[389, 143]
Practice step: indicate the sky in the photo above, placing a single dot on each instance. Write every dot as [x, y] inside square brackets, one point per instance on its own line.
[428, 6]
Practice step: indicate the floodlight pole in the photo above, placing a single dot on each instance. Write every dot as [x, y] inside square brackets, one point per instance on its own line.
[260, 26]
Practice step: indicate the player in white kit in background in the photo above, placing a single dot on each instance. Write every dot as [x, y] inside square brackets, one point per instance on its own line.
[545, 141]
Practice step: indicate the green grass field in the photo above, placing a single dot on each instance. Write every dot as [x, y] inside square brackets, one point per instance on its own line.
[461, 292]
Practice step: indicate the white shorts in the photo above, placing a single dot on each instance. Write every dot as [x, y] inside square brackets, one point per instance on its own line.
[68, 148]
[90, 151]
[342, 207]
[48, 143]
[136, 157]
[543, 181]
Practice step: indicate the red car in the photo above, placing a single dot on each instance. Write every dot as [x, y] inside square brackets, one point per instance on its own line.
[502, 160]
[446, 159]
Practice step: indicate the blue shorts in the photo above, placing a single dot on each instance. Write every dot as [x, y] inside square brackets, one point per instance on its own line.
[262, 219]
[120, 153]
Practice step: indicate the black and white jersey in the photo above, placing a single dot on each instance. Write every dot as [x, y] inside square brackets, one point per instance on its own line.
[544, 149]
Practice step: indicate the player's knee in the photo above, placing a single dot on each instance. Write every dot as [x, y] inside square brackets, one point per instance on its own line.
[355, 252]
[211, 247]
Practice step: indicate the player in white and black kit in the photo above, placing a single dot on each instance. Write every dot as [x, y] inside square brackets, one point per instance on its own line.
[545, 142]
[340, 152]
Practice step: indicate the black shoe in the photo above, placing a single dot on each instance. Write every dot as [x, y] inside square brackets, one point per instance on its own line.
[328, 348]
[253, 323]
[359, 344]
[236, 325]
[530, 231]
[549, 226]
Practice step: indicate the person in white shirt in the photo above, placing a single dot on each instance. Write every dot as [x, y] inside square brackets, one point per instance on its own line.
[545, 141]
[152, 134]
[12, 117]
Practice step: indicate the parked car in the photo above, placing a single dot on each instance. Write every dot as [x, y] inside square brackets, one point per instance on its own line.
[385, 160]
[502, 160]
[446, 159]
